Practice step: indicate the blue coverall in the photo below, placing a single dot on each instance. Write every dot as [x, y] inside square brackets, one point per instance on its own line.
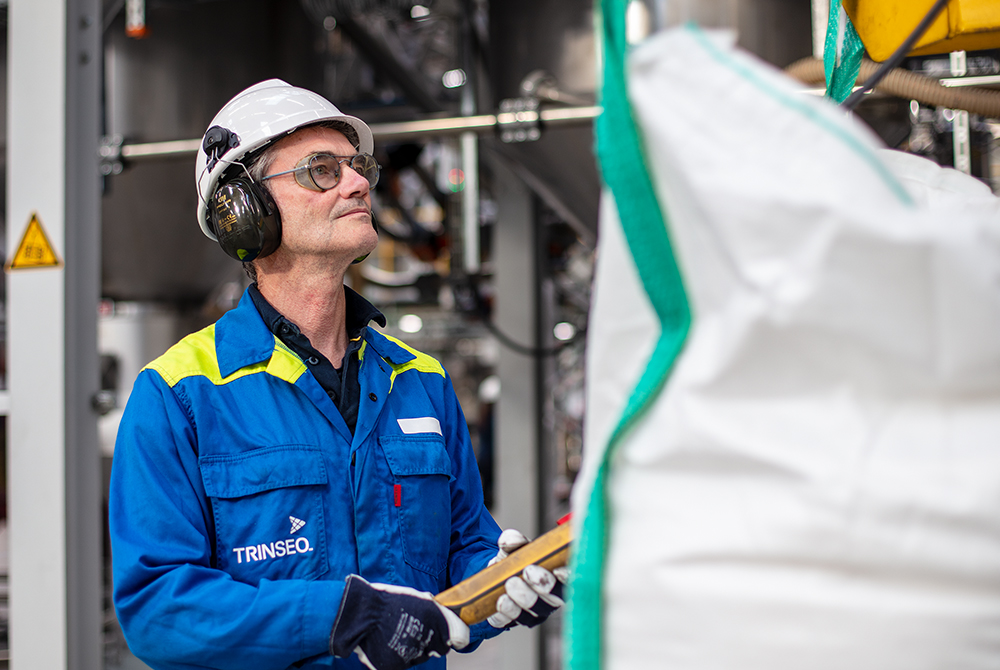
[240, 500]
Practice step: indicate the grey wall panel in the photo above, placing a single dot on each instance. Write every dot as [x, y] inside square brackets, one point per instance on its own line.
[168, 86]
[556, 36]
[779, 31]
[152, 248]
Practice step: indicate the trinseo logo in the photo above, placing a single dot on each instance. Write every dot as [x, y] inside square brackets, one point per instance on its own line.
[276, 549]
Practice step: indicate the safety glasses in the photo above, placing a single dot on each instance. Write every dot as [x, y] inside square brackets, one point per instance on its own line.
[321, 172]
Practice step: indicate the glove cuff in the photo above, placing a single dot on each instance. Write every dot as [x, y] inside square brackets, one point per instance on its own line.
[348, 632]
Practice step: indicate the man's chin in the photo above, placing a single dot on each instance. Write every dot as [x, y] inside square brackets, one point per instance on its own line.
[363, 249]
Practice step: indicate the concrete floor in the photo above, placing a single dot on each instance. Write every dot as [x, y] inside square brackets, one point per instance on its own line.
[487, 657]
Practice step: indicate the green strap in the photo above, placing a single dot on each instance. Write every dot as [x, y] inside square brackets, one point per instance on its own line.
[623, 167]
[842, 53]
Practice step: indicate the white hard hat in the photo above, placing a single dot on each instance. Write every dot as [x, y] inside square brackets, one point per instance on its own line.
[255, 117]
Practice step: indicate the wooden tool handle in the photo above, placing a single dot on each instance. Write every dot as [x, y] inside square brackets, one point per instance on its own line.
[475, 598]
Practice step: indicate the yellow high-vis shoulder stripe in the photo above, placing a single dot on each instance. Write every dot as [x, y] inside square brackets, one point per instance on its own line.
[194, 356]
[422, 362]
[285, 364]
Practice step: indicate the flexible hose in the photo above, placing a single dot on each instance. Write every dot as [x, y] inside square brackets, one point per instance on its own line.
[911, 86]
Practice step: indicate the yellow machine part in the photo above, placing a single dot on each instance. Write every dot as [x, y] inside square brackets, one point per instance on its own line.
[964, 25]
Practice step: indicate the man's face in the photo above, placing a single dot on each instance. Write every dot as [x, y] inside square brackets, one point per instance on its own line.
[333, 226]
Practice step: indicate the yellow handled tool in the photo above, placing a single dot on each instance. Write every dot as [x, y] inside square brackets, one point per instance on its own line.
[475, 598]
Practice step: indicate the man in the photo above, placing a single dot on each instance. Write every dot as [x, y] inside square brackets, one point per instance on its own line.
[289, 485]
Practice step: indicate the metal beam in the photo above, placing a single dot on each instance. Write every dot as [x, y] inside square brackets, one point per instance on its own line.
[961, 136]
[53, 471]
[84, 487]
[518, 416]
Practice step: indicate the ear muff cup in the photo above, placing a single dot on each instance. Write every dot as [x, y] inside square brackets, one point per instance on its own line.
[375, 226]
[245, 219]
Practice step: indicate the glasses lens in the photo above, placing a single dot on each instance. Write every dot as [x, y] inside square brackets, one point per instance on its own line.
[366, 166]
[325, 170]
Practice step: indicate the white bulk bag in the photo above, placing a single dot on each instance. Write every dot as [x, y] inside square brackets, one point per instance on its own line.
[817, 485]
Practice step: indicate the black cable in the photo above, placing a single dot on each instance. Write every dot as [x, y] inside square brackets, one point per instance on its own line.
[896, 58]
[525, 350]
[470, 300]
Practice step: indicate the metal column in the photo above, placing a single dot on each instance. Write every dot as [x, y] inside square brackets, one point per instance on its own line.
[820, 19]
[961, 137]
[54, 491]
[519, 408]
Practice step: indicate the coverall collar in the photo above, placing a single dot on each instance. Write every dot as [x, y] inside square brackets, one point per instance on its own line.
[242, 338]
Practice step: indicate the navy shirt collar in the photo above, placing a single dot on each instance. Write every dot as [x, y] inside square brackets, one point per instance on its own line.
[360, 313]
[338, 378]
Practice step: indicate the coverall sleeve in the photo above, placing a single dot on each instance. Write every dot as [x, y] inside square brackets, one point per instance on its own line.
[176, 610]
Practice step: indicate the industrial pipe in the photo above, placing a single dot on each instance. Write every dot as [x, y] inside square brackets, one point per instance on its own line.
[481, 123]
[910, 86]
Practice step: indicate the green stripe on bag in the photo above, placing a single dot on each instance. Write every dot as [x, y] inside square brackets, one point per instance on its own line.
[623, 168]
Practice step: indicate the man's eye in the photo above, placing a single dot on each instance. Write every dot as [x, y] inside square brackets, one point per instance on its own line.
[321, 169]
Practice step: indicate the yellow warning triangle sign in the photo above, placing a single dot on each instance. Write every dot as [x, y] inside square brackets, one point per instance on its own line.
[35, 250]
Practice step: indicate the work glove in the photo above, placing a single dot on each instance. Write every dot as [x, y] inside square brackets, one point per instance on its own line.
[530, 598]
[393, 627]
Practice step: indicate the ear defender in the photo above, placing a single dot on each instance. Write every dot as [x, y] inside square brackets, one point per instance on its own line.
[245, 219]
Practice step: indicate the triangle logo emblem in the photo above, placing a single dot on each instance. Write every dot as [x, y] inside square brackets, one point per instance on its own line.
[297, 524]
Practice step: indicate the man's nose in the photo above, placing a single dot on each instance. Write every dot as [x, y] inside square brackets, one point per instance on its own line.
[352, 183]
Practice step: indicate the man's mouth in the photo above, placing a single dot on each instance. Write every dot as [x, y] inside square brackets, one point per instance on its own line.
[355, 209]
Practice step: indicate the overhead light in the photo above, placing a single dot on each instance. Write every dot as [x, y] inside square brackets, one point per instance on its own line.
[453, 78]
[489, 389]
[638, 22]
[410, 323]
[564, 331]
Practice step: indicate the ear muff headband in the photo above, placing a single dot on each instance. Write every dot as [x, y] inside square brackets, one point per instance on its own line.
[245, 219]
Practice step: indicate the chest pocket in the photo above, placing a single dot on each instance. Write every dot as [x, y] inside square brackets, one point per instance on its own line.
[268, 508]
[421, 472]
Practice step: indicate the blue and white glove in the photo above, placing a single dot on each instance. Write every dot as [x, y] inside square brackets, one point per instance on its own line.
[393, 627]
[530, 598]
